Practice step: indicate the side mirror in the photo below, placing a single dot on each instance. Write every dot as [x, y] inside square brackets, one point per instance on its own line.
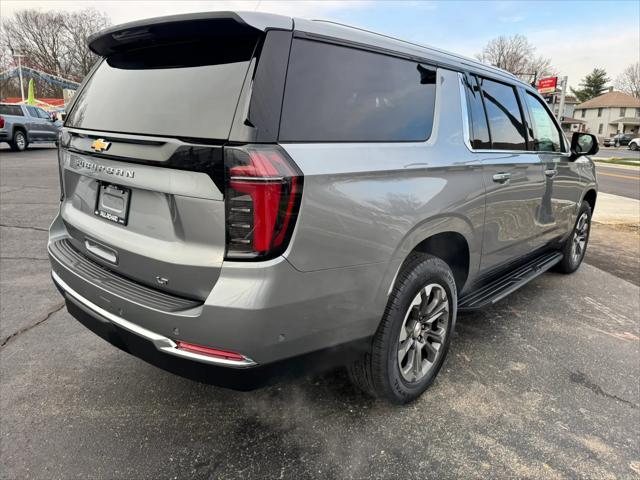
[583, 144]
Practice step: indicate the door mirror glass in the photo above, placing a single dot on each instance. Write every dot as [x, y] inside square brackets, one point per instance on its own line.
[583, 144]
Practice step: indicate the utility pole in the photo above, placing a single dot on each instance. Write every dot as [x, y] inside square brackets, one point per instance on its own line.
[19, 57]
[563, 93]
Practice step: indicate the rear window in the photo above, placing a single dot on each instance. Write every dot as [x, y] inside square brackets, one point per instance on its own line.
[11, 110]
[183, 90]
[341, 94]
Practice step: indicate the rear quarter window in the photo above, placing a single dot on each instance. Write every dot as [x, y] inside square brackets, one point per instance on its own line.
[342, 94]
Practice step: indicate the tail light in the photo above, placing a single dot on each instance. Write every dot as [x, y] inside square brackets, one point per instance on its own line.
[1, 121]
[263, 192]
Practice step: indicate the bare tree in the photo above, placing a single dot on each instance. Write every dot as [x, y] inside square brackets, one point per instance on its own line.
[10, 85]
[53, 42]
[629, 80]
[77, 28]
[516, 55]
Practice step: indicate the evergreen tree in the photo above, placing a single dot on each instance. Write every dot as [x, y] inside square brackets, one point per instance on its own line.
[593, 85]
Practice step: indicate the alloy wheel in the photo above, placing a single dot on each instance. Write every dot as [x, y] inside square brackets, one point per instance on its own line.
[580, 236]
[423, 332]
[20, 141]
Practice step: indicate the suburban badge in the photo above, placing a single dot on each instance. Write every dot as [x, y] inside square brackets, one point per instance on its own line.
[79, 163]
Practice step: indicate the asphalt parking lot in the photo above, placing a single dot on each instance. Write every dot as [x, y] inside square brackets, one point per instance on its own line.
[546, 384]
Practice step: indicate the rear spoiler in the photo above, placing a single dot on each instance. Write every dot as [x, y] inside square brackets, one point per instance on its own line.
[190, 26]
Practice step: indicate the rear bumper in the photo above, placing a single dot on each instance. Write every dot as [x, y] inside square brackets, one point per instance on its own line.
[160, 342]
[267, 312]
[157, 350]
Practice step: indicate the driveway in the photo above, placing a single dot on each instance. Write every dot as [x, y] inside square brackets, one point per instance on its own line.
[543, 385]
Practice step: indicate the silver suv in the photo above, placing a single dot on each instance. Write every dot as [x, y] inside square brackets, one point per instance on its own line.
[245, 195]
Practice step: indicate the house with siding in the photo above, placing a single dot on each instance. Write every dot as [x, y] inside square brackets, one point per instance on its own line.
[609, 114]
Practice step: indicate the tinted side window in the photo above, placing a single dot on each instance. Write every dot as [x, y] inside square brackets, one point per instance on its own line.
[11, 110]
[505, 117]
[477, 118]
[33, 112]
[43, 114]
[546, 135]
[342, 94]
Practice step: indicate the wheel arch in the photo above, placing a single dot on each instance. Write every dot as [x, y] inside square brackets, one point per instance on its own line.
[451, 247]
[590, 197]
[444, 237]
[20, 128]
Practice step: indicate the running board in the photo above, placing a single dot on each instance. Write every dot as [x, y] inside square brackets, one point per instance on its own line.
[502, 286]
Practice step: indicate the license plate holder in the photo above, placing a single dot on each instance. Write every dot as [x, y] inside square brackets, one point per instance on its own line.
[112, 203]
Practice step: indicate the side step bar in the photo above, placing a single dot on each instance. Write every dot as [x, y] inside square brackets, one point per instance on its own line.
[500, 287]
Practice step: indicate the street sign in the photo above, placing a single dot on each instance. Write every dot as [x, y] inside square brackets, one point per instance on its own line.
[546, 85]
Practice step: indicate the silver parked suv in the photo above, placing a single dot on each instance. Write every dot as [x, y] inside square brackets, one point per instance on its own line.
[245, 195]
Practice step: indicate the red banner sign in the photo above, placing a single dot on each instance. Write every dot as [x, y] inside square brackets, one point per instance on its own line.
[546, 85]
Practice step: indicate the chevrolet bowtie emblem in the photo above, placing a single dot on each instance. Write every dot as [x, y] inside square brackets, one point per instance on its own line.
[100, 145]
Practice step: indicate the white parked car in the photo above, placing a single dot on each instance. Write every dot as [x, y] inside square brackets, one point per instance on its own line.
[635, 144]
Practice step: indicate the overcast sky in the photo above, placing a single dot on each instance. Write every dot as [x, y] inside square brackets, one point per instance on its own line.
[576, 35]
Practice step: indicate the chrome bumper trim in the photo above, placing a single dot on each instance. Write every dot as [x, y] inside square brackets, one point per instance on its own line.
[161, 342]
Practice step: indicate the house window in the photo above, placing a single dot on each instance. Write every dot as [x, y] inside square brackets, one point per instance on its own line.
[623, 111]
[582, 113]
[599, 129]
[637, 112]
[599, 112]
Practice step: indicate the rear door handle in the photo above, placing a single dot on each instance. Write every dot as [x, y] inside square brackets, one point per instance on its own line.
[501, 177]
[552, 172]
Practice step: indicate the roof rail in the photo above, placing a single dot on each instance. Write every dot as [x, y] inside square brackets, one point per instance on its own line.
[461, 57]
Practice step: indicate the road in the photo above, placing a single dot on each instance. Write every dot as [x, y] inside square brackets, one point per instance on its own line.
[543, 385]
[620, 152]
[619, 180]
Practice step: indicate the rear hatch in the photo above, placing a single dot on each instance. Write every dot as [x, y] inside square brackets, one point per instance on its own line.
[141, 152]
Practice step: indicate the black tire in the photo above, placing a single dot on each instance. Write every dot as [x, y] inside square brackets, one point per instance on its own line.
[633, 146]
[378, 371]
[19, 142]
[571, 262]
